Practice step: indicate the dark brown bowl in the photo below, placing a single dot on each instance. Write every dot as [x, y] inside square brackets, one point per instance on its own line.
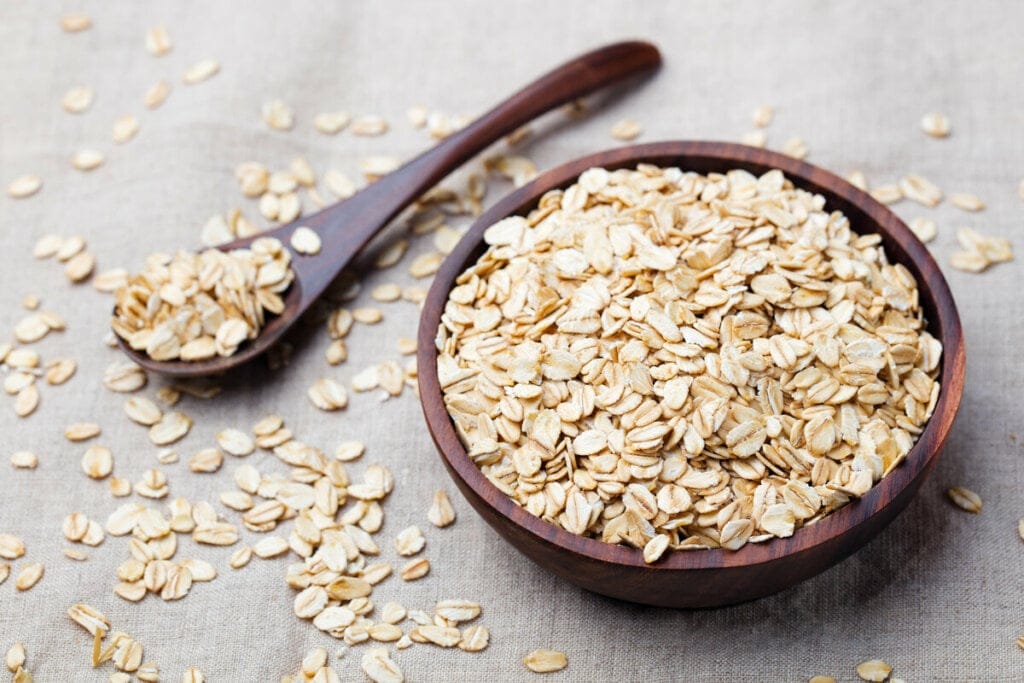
[702, 578]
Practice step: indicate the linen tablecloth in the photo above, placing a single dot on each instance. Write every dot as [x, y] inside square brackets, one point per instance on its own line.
[937, 594]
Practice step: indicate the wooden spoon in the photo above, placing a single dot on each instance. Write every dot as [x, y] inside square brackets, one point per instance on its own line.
[347, 226]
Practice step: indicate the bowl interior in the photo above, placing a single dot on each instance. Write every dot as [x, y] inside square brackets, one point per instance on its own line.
[865, 215]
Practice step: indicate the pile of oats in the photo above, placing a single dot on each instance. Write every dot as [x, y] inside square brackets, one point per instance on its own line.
[196, 306]
[669, 360]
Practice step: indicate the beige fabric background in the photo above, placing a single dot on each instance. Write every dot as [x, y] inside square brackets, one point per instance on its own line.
[938, 594]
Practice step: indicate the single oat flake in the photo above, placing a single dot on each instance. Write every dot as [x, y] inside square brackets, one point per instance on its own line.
[125, 128]
[935, 124]
[763, 115]
[305, 241]
[77, 100]
[73, 22]
[278, 115]
[200, 71]
[965, 499]
[87, 159]
[545, 661]
[795, 147]
[874, 670]
[923, 228]
[966, 201]
[626, 129]
[158, 42]
[380, 668]
[156, 94]
[331, 122]
[29, 576]
[24, 186]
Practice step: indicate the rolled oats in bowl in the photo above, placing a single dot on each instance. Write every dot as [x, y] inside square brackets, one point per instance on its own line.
[671, 360]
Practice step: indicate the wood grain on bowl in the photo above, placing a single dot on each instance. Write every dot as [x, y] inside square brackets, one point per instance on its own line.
[703, 578]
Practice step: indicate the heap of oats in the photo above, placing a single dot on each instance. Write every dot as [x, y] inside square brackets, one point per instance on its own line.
[196, 306]
[670, 360]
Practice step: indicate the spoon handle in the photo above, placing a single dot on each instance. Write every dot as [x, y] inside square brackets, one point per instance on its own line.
[355, 221]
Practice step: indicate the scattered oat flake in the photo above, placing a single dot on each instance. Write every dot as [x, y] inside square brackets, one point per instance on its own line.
[923, 228]
[380, 668]
[29, 576]
[156, 94]
[980, 251]
[858, 180]
[11, 547]
[124, 377]
[935, 124]
[545, 661]
[25, 460]
[626, 129]
[386, 292]
[331, 122]
[920, 189]
[328, 394]
[339, 184]
[968, 261]
[874, 670]
[158, 42]
[368, 315]
[795, 147]
[77, 100]
[441, 512]
[391, 254]
[406, 345]
[200, 71]
[79, 266]
[278, 115]
[426, 264]
[409, 541]
[755, 138]
[415, 569]
[97, 462]
[26, 401]
[171, 427]
[73, 22]
[369, 126]
[305, 241]
[966, 201]
[965, 499]
[24, 186]
[348, 451]
[87, 159]
[762, 116]
[887, 194]
[15, 657]
[376, 166]
[475, 638]
[125, 128]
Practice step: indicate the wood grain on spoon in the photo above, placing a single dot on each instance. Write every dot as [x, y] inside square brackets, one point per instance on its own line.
[346, 227]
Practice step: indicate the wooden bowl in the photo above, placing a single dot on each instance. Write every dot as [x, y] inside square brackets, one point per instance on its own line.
[702, 578]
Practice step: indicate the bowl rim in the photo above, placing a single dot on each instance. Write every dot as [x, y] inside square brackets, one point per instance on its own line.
[932, 287]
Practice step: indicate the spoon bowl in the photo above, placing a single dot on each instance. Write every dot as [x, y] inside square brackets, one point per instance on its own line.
[702, 578]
